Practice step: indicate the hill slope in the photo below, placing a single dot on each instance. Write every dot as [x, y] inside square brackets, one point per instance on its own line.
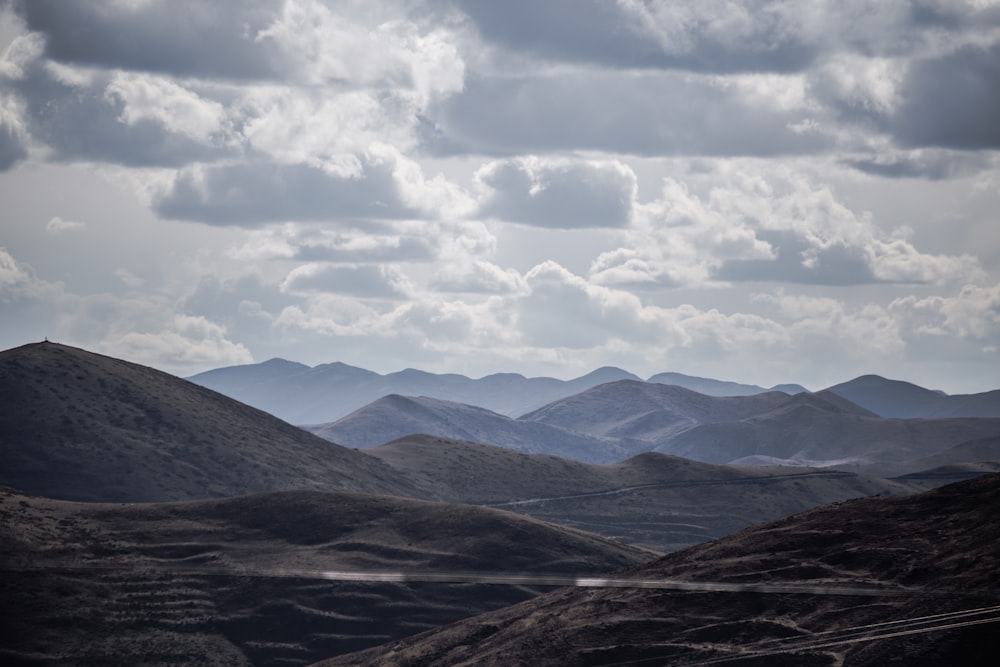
[662, 502]
[816, 429]
[653, 412]
[894, 398]
[238, 581]
[940, 550]
[82, 426]
[712, 387]
[395, 416]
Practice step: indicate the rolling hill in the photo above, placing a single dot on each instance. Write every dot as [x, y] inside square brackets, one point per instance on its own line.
[712, 387]
[909, 581]
[395, 416]
[82, 426]
[658, 501]
[894, 398]
[238, 581]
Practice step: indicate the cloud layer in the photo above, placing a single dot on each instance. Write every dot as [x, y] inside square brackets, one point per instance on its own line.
[759, 190]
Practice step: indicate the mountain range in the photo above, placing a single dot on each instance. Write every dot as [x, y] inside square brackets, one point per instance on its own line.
[280, 547]
[300, 394]
[609, 422]
[81, 426]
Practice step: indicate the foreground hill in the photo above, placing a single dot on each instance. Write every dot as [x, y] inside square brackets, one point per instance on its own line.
[659, 501]
[395, 416]
[83, 426]
[303, 395]
[939, 551]
[238, 581]
[894, 398]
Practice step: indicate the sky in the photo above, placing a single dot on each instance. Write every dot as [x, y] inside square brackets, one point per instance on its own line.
[754, 191]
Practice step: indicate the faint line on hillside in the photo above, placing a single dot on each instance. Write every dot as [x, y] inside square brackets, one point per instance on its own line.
[671, 485]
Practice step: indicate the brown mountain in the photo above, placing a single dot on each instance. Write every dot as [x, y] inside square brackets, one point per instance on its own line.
[82, 426]
[239, 581]
[783, 593]
[663, 502]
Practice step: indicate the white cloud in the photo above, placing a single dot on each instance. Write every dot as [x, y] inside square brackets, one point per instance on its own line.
[183, 345]
[750, 221]
[973, 313]
[178, 109]
[57, 225]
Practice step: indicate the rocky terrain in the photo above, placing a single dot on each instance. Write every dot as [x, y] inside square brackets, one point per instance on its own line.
[239, 581]
[870, 582]
[662, 502]
[82, 426]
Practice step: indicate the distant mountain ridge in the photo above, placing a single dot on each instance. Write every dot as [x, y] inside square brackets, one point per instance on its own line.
[613, 421]
[895, 398]
[322, 394]
[392, 417]
[299, 394]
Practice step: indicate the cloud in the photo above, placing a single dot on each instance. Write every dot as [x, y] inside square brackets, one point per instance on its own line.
[364, 281]
[649, 113]
[183, 344]
[739, 223]
[926, 163]
[133, 121]
[475, 276]
[57, 225]
[973, 313]
[253, 193]
[704, 36]
[952, 101]
[558, 193]
[184, 37]
[823, 325]
[12, 148]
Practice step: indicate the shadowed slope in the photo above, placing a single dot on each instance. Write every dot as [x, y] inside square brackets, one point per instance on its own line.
[653, 412]
[394, 416]
[233, 581]
[663, 502]
[894, 398]
[941, 548]
[83, 426]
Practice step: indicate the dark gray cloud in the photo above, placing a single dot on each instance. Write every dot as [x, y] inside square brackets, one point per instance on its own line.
[83, 122]
[256, 193]
[598, 32]
[928, 164]
[182, 37]
[648, 114]
[12, 149]
[837, 264]
[953, 101]
[562, 195]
